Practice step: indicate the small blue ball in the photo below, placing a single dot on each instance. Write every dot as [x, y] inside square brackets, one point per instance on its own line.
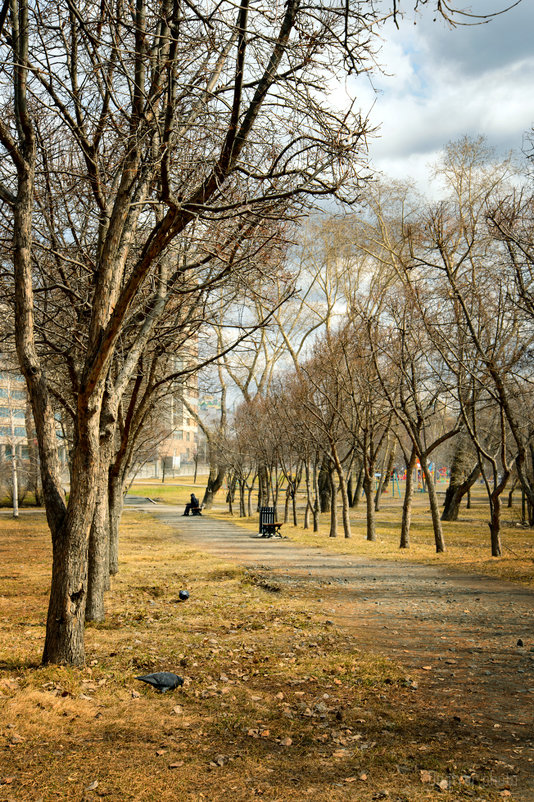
[183, 595]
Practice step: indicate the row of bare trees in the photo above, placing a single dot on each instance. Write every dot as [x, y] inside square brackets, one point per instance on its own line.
[431, 350]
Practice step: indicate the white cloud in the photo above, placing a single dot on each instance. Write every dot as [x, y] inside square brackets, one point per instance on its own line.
[446, 83]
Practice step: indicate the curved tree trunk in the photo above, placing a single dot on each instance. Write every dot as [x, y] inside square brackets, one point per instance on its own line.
[455, 493]
[215, 482]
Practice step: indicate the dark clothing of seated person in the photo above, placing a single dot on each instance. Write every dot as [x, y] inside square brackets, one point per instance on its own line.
[193, 504]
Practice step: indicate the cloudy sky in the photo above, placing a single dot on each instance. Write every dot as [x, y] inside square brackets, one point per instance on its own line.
[445, 83]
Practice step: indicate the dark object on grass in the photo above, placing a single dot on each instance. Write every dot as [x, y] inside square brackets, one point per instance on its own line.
[162, 680]
[183, 595]
[520, 642]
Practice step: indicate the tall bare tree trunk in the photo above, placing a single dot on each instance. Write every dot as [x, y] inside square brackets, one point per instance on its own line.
[316, 497]
[389, 469]
[333, 505]
[358, 492]
[98, 562]
[495, 526]
[115, 506]
[323, 483]
[387, 464]
[64, 642]
[407, 502]
[242, 512]
[370, 507]
[434, 506]
[344, 494]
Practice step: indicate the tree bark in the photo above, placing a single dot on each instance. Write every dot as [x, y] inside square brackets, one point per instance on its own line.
[370, 507]
[316, 498]
[343, 489]
[455, 493]
[495, 527]
[384, 477]
[215, 482]
[434, 506]
[389, 469]
[358, 492]
[115, 507]
[407, 502]
[64, 641]
[98, 562]
[242, 513]
[333, 505]
[325, 492]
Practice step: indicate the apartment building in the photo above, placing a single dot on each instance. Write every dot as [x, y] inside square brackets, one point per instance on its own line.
[13, 410]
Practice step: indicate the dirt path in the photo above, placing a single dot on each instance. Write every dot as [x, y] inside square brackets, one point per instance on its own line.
[456, 634]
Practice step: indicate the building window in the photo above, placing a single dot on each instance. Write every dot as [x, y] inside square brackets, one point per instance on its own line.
[6, 412]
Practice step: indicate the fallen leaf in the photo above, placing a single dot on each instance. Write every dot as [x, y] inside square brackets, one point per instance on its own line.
[363, 776]
[427, 668]
[161, 752]
[176, 765]
[93, 786]
[178, 710]
[341, 753]
[286, 742]
[425, 776]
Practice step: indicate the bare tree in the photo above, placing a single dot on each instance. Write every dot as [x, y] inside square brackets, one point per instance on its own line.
[126, 130]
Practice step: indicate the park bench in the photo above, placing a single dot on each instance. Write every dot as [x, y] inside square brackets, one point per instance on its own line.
[268, 526]
[197, 510]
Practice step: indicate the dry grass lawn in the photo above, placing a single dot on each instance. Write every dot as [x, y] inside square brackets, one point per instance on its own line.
[277, 704]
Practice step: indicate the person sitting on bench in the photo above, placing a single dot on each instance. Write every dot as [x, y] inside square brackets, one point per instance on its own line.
[194, 504]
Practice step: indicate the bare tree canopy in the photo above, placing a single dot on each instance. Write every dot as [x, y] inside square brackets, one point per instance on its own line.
[148, 152]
